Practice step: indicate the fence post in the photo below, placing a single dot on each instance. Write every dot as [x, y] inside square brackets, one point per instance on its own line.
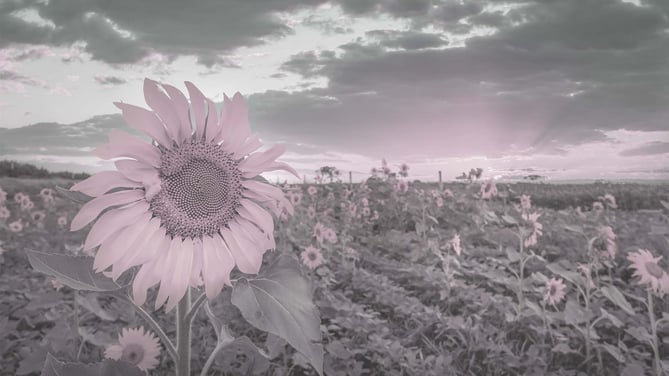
[441, 184]
[350, 180]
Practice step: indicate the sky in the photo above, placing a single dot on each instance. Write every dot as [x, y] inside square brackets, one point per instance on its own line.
[568, 89]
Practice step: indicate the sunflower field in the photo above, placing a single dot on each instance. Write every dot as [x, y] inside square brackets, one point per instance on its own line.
[408, 278]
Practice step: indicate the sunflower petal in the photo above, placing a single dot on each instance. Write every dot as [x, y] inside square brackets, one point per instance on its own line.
[92, 209]
[113, 220]
[181, 275]
[182, 110]
[198, 101]
[145, 121]
[163, 106]
[103, 182]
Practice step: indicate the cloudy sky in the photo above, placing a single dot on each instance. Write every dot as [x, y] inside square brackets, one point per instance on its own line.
[564, 88]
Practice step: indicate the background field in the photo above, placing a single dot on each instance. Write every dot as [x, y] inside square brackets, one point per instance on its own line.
[393, 296]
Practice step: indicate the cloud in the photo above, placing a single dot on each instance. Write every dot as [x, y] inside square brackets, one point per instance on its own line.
[547, 78]
[75, 139]
[14, 82]
[126, 31]
[407, 40]
[650, 148]
[109, 80]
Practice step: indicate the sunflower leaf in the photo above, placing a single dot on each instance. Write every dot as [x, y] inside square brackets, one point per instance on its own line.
[73, 271]
[280, 302]
[76, 196]
[108, 367]
[617, 297]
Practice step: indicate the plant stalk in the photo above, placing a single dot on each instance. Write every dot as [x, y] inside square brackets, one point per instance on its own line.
[183, 336]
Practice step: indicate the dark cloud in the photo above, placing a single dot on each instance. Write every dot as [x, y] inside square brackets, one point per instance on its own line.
[15, 30]
[408, 40]
[13, 76]
[326, 26]
[110, 80]
[651, 148]
[452, 11]
[555, 73]
[126, 31]
[60, 139]
[396, 8]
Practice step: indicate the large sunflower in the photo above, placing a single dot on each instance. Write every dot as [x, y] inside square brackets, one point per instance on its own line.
[185, 206]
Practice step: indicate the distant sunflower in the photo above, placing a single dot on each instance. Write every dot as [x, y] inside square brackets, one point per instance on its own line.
[185, 205]
[554, 291]
[312, 257]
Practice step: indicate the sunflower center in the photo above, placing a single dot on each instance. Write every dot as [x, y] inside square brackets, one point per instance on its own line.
[133, 353]
[553, 290]
[312, 256]
[654, 270]
[200, 189]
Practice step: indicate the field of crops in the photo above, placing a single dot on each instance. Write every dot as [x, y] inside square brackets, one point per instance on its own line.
[415, 279]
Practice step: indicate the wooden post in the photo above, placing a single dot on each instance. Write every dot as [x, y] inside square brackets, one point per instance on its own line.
[350, 180]
[441, 184]
[305, 178]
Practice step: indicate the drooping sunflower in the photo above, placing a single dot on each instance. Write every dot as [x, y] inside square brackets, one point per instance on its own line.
[186, 205]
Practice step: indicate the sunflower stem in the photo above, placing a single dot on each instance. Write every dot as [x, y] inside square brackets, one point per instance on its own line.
[195, 308]
[653, 328]
[183, 335]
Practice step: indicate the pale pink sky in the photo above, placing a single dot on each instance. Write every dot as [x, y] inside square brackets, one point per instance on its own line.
[568, 89]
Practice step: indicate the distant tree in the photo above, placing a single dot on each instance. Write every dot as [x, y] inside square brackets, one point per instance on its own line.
[328, 172]
[533, 177]
[15, 169]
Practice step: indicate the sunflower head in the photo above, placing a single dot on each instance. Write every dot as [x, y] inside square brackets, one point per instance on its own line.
[186, 207]
[137, 347]
[647, 268]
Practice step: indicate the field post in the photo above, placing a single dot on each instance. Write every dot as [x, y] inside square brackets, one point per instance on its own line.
[304, 177]
[350, 180]
[441, 184]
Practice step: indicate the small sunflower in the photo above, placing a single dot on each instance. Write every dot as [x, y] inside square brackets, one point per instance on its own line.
[137, 347]
[312, 257]
[554, 291]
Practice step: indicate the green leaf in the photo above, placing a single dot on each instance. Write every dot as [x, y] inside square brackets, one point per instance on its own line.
[512, 254]
[665, 204]
[575, 314]
[633, 369]
[658, 230]
[76, 196]
[91, 303]
[570, 276]
[617, 297]
[509, 219]
[73, 271]
[280, 302]
[433, 219]
[614, 351]
[108, 367]
[275, 345]
[640, 333]
[254, 360]
[220, 328]
[420, 228]
[573, 228]
[563, 348]
[614, 320]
